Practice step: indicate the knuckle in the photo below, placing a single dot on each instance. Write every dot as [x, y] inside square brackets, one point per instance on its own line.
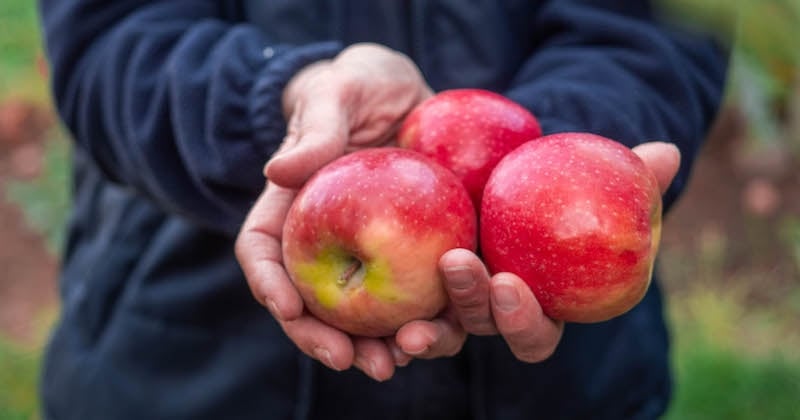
[516, 330]
[470, 302]
[476, 319]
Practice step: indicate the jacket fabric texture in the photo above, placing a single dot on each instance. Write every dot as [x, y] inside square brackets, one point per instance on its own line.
[174, 107]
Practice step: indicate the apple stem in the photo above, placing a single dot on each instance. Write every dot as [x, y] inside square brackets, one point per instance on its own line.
[348, 274]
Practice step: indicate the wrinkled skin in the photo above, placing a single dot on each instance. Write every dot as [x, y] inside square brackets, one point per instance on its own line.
[358, 100]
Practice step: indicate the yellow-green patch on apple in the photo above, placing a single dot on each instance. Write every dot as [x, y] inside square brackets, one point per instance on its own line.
[362, 240]
[336, 274]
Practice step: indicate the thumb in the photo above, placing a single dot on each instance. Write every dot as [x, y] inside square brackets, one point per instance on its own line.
[663, 159]
[317, 134]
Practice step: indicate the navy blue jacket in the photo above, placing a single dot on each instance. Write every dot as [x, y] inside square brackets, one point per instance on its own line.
[175, 106]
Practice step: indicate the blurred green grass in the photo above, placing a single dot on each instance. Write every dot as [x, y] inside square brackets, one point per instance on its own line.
[714, 383]
[765, 60]
[43, 199]
[20, 49]
[19, 370]
[732, 360]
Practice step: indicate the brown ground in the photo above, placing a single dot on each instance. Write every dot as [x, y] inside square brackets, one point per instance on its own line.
[27, 269]
[735, 215]
[733, 210]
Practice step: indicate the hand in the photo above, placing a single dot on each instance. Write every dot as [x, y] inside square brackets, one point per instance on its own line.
[503, 304]
[359, 99]
[356, 100]
[258, 249]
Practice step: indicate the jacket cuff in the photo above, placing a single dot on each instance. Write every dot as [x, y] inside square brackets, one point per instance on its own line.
[281, 64]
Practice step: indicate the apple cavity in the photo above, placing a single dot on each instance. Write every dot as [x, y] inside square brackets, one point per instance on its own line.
[363, 238]
[468, 131]
[578, 217]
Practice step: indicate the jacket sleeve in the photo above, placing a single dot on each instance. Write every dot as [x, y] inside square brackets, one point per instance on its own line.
[610, 67]
[172, 100]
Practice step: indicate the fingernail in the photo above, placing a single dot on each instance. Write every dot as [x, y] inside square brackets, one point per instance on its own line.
[368, 366]
[417, 351]
[399, 356]
[270, 163]
[422, 343]
[505, 297]
[460, 277]
[323, 355]
[273, 309]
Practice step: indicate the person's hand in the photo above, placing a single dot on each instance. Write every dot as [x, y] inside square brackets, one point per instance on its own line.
[503, 304]
[258, 249]
[477, 300]
[259, 252]
[356, 100]
[359, 99]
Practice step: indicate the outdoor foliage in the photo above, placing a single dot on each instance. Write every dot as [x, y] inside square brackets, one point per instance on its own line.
[20, 51]
[714, 383]
[19, 370]
[765, 59]
[733, 361]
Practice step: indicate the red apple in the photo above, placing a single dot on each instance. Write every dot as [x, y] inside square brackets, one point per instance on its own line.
[578, 217]
[363, 238]
[468, 131]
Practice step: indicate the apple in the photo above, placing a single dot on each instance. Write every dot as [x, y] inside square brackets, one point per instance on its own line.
[468, 131]
[578, 217]
[363, 238]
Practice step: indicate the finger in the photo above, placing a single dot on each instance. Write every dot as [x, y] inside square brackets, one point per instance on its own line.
[384, 120]
[467, 283]
[377, 133]
[289, 141]
[431, 339]
[663, 159]
[331, 347]
[258, 250]
[529, 333]
[374, 358]
[317, 134]
[401, 358]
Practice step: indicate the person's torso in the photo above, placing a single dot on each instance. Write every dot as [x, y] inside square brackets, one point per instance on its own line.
[479, 43]
[157, 317]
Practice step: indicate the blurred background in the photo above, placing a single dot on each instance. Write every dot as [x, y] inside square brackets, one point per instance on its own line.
[730, 258]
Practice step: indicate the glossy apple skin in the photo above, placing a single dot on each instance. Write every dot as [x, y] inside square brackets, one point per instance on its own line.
[468, 131]
[578, 218]
[393, 210]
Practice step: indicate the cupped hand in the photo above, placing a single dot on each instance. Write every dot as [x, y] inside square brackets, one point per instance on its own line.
[480, 304]
[258, 249]
[503, 304]
[356, 100]
[359, 99]
[330, 112]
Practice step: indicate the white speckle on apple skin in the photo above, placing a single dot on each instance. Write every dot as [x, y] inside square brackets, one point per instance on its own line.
[390, 208]
[571, 214]
[468, 131]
